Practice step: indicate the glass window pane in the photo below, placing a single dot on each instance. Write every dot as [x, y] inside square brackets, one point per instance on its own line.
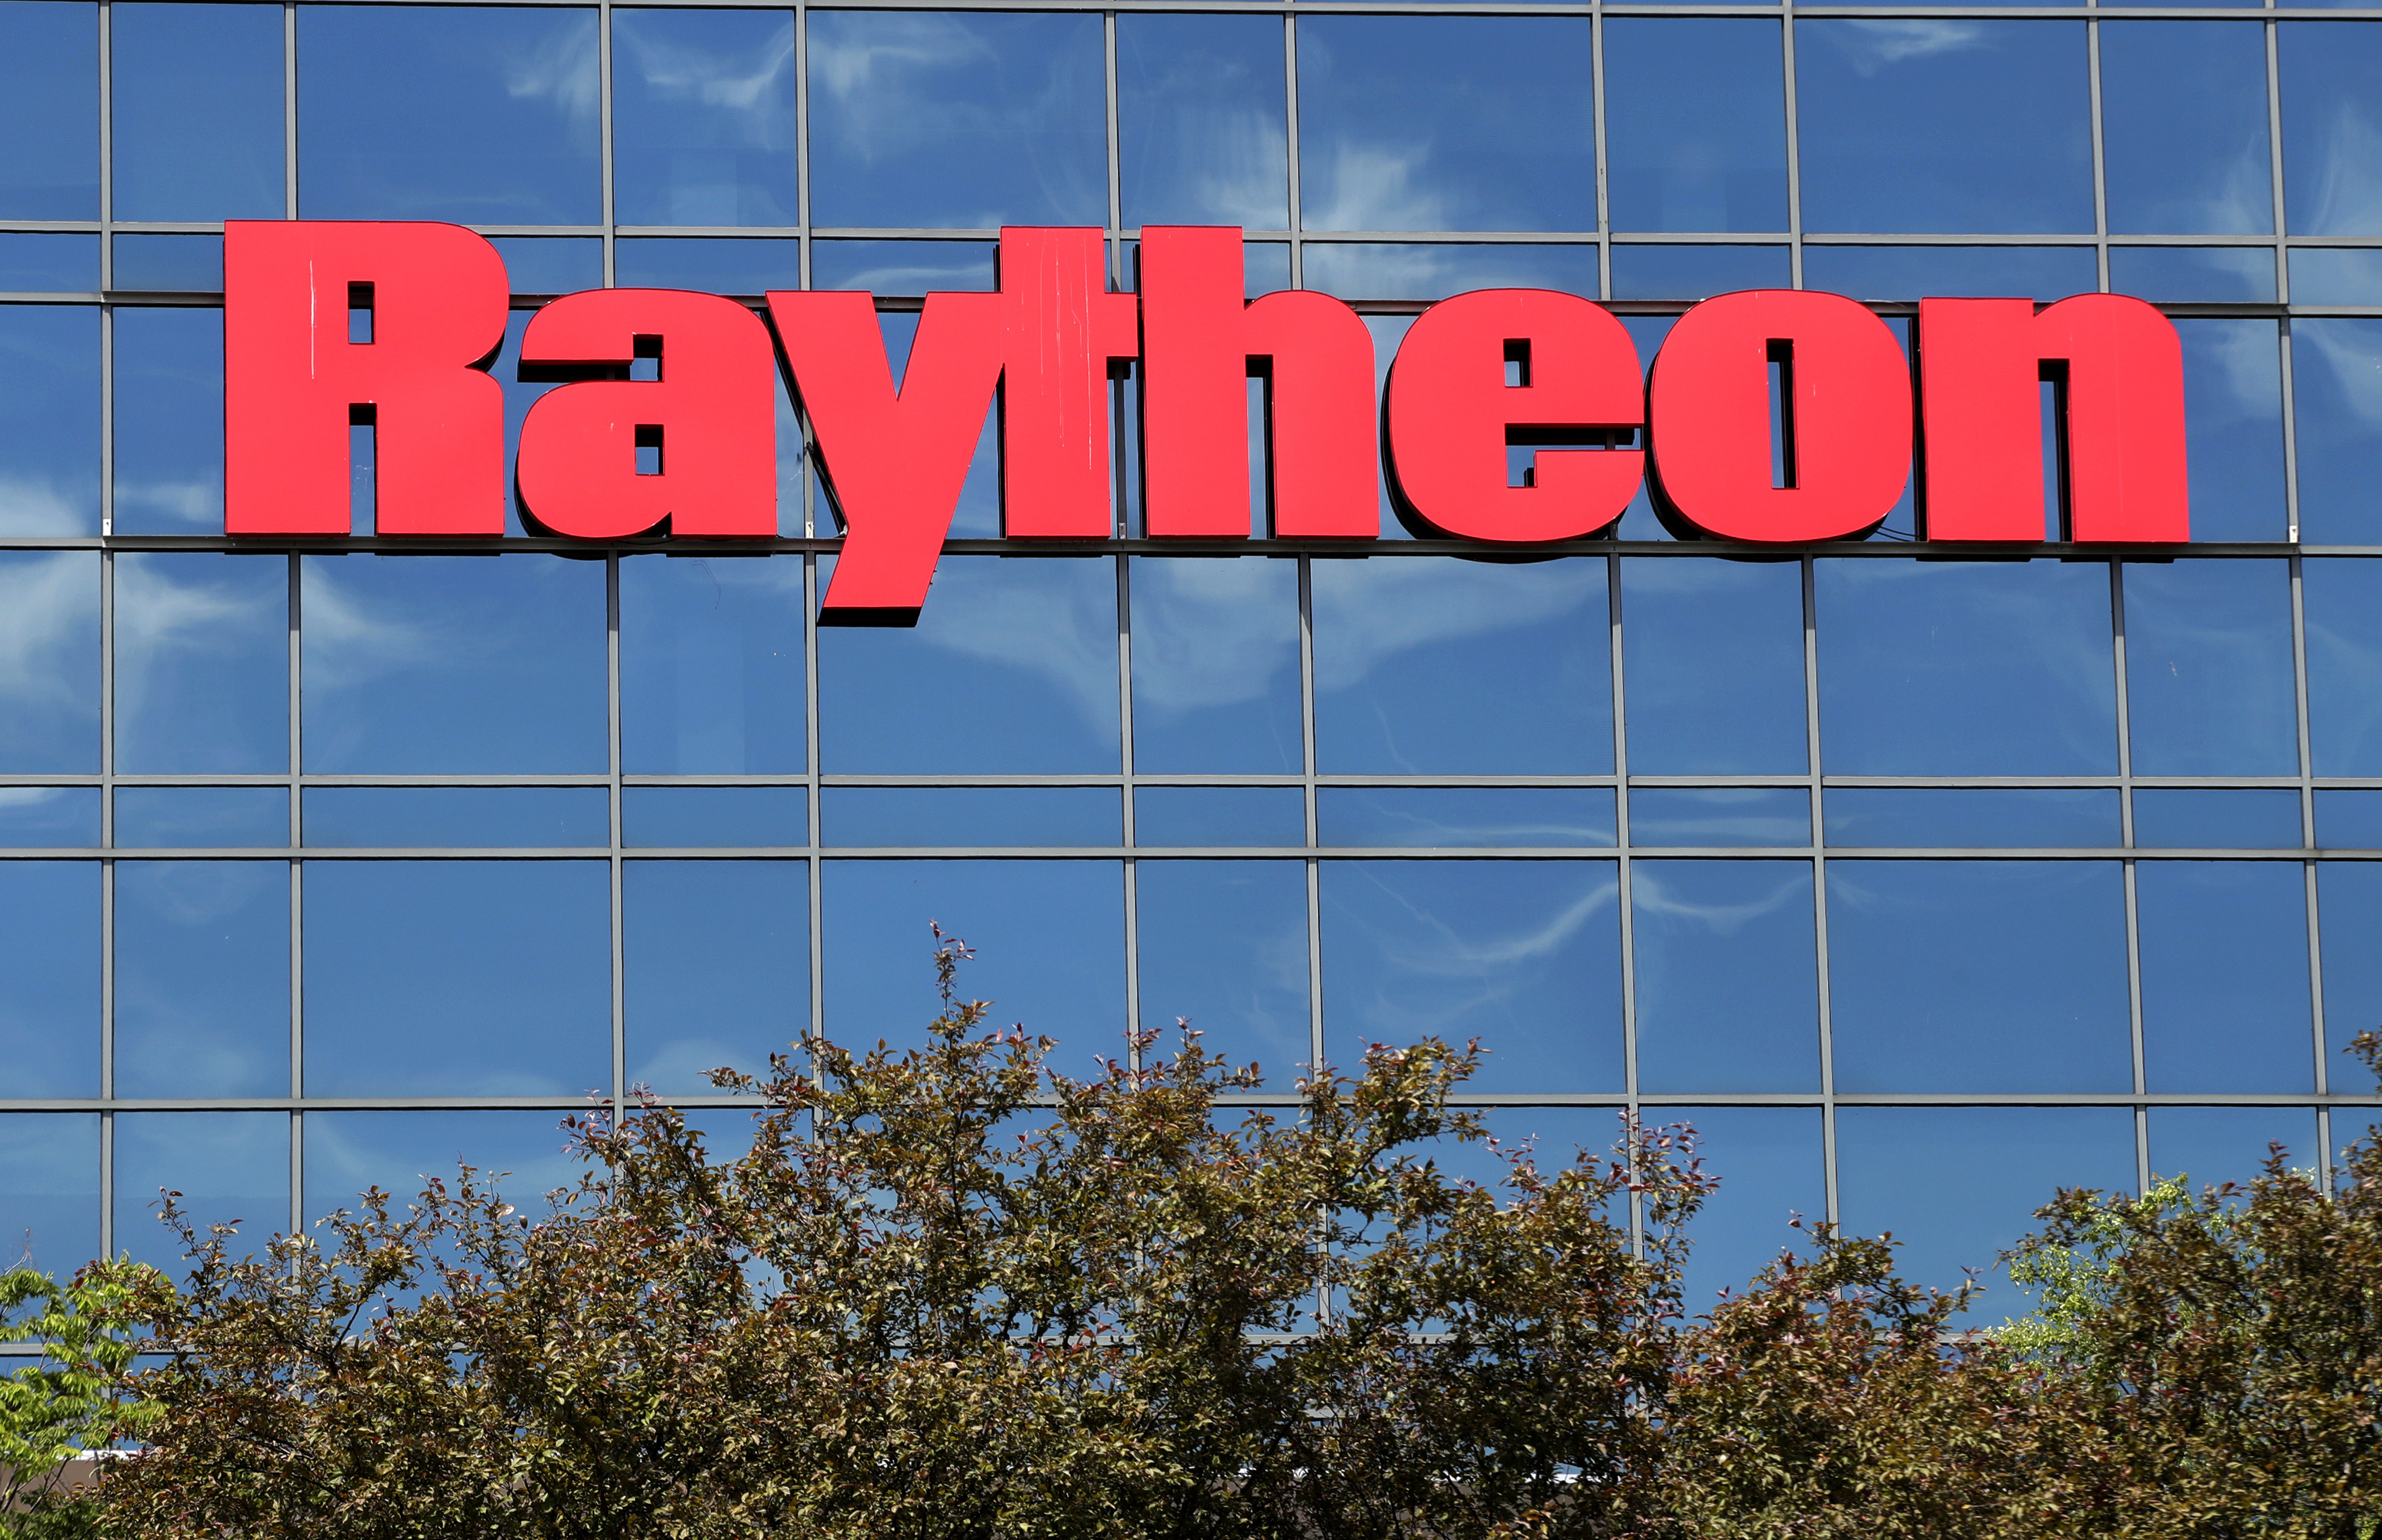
[48, 817]
[2336, 276]
[1524, 955]
[1728, 976]
[2183, 127]
[2209, 668]
[479, 978]
[1449, 817]
[480, 113]
[196, 102]
[1242, 815]
[202, 978]
[1909, 272]
[1200, 121]
[1224, 943]
[2348, 820]
[2344, 600]
[1713, 657]
[902, 267]
[1049, 937]
[2332, 117]
[2348, 914]
[49, 419]
[1719, 816]
[703, 118]
[1953, 668]
[170, 422]
[955, 120]
[1977, 977]
[1907, 126]
[1369, 270]
[231, 1168]
[1696, 271]
[1960, 1185]
[49, 954]
[2337, 416]
[1772, 1167]
[167, 263]
[2233, 407]
[2212, 1144]
[454, 664]
[1439, 665]
[2225, 976]
[551, 265]
[1446, 123]
[392, 817]
[399, 1152]
[1878, 817]
[1215, 665]
[686, 817]
[49, 662]
[984, 816]
[1695, 124]
[711, 665]
[49, 111]
[2182, 274]
[49, 1187]
[38, 262]
[202, 663]
[750, 265]
[1011, 669]
[2204, 819]
[716, 967]
[202, 818]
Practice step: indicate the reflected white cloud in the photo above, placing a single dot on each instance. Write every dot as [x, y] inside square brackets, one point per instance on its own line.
[1649, 894]
[2347, 197]
[758, 85]
[49, 614]
[199, 504]
[159, 620]
[1374, 187]
[1209, 633]
[1060, 630]
[2352, 353]
[352, 638]
[1873, 45]
[560, 67]
[1368, 613]
[39, 506]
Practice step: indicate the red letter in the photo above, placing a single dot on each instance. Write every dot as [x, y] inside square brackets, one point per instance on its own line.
[1201, 344]
[1456, 402]
[893, 464]
[1981, 364]
[708, 414]
[1845, 395]
[1060, 328]
[294, 382]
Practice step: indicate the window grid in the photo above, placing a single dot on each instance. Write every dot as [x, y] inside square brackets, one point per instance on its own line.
[811, 780]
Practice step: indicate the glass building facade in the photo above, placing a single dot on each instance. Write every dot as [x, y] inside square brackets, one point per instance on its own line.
[1920, 885]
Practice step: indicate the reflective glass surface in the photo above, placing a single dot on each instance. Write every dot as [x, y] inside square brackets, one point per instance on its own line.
[2332, 184]
[740, 264]
[1202, 137]
[1215, 665]
[2183, 127]
[1727, 975]
[1772, 1168]
[703, 129]
[169, 424]
[551, 265]
[49, 661]
[1445, 123]
[1523, 955]
[1371, 270]
[399, 1152]
[2344, 665]
[1244, 816]
[1696, 271]
[1719, 816]
[1958, 1186]
[40, 262]
[454, 664]
[48, 817]
[1049, 937]
[908, 267]
[978, 816]
[202, 818]
[196, 102]
[720, 816]
[1977, 977]
[481, 114]
[1438, 665]
[1904, 126]
[49, 420]
[49, 111]
[2337, 413]
[711, 667]
[169, 264]
[1414, 816]
[2233, 416]
[202, 663]
[1909, 272]
[2225, 976]
[1224, 946]
[1936, 668]
[2215, 1144]
[1972, 818]
[2348, 909]
[2336, 276]
[49, 1187]
[394, 817]
[1011, 669]
[2206, 274]
[228, 1168]
[718, 968]
[952, 119]
[520, 999]
[2207, 819]
[2348, 820]
[49, 954]
[1694, 125]
[1713, 660]
[202, 978]
[2209, 668]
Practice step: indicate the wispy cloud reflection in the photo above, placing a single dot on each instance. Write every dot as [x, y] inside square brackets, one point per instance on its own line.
[559, 68]
[1873, 46]
[49, 633]
[1368, 613]
[39, 506]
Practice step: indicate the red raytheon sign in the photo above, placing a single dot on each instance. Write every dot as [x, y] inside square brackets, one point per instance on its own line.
[330, 324]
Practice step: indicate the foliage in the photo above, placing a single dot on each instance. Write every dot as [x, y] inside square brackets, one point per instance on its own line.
[62, 1403]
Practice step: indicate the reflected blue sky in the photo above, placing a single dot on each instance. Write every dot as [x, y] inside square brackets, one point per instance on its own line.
[703, 118]
[1201, 121]
[196, 102]
[49, 954]
[718, 968]
[1215, 665]
[1224, 943]
[1728, 976]
[202, 663]
[169, 424]
[231, 1168]
[711, 667]
[1713, 660]
[2209, 668]
[2183, 116]
[49, 661]
[398, 1151]
[1694, 125]
[2225, 976]
[49, 420]
[49, 112]
[202, 978]
[49, 1189]
[2332, 129]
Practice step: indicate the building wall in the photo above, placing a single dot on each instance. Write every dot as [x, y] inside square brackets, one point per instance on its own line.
[1920, 886]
